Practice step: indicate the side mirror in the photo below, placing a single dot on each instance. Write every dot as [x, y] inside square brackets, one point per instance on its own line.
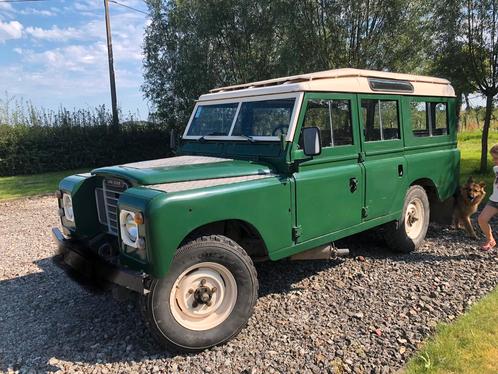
[311, 141]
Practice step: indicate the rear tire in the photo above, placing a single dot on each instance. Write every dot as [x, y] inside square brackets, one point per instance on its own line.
[408, 234]
[205, 299]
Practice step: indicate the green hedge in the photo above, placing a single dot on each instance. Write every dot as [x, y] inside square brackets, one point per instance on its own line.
[28, 149]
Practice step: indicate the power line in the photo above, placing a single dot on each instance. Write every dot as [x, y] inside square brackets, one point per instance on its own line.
[20, 1]
[111, 1]
[129, 7]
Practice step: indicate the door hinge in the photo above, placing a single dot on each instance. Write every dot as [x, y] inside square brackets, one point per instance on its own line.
[364, 212]
[361, 156]
[297, 231]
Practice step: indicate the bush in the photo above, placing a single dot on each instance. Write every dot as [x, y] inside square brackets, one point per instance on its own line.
[70, 140]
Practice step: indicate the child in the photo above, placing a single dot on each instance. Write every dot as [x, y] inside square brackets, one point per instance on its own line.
[491, 207]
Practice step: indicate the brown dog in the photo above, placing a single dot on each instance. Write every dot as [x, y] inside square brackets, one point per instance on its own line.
[467, 201]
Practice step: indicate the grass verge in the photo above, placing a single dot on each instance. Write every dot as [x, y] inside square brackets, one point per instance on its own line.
[469, 345]
[32, 185]
[469, 144]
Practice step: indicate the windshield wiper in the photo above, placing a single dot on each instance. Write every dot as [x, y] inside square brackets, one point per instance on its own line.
[248, 137]
[203, 137]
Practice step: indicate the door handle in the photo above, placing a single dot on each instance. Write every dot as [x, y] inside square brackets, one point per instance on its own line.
[353, 184]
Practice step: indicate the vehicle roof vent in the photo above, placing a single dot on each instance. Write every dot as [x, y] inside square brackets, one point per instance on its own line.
[377, 84]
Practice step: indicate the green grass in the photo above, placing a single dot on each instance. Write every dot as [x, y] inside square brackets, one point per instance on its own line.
[469, 144]
[469, 345]
[32, 185]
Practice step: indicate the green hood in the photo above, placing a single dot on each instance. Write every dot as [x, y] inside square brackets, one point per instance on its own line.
[181, 169]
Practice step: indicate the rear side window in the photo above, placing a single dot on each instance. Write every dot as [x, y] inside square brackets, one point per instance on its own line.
[439, 118]
[333, 118]
[381, 119]
[429, 118]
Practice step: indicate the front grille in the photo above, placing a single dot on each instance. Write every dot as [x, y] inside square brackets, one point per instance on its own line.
[107, 203]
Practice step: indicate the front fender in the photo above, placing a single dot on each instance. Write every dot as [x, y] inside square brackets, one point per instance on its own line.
[265, 204]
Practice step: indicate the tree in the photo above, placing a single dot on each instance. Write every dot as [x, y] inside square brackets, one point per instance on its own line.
[481, 27]
[192, 46]
[448, 51]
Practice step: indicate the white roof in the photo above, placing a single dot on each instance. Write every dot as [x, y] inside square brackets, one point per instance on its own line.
[338, 80]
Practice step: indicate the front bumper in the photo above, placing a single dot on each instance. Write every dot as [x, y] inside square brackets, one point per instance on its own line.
[89, 269]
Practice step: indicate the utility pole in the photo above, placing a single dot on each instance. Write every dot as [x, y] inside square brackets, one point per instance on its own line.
[114, 104]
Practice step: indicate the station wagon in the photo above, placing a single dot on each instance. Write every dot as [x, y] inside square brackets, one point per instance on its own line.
[264, 171]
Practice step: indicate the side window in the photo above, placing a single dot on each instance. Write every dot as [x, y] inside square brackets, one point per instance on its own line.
[381, 119]
[342, 127]
[333, 118]
[440, 119]
[428, 118]
[419, 118]
[317, 115]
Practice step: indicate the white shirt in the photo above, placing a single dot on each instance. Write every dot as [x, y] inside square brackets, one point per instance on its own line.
[494, 196]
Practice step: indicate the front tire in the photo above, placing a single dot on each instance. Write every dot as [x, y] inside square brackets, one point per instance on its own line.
[408, 234]
[205, 299]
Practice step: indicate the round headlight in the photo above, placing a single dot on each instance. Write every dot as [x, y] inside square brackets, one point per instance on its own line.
[67, 205]
[131, 227]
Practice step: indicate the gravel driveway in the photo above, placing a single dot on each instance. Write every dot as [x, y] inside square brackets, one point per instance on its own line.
[367, 313]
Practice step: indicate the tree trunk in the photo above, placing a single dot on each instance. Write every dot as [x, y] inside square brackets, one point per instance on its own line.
[458, 108]
[468, 110]
[485, 131]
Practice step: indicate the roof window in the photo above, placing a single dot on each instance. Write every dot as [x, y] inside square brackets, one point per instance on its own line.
[377, 84]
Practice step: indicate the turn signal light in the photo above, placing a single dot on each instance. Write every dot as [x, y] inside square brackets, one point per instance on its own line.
[139, 218]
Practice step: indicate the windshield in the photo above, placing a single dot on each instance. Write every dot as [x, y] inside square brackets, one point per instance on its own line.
[266, 118]
[213, 119]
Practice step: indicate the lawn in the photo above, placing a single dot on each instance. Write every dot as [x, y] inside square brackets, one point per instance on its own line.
[469, 345]
[31, 185]
[469, 144]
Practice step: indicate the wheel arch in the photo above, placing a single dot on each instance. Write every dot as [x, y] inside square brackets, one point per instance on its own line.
[441, 211]
[242, 232]
[430, 189]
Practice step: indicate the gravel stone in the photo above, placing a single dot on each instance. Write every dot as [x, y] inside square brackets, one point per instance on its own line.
[364, 314]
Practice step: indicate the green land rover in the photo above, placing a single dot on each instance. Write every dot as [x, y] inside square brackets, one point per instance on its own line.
[265, 171]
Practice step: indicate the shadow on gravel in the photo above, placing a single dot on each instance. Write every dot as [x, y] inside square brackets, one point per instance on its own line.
[47, 317]
[279, 277]
[370, 244]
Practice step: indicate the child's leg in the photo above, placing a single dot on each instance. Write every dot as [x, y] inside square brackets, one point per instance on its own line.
[487, 213]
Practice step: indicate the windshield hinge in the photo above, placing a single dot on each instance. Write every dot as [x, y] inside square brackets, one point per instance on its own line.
[297, 231]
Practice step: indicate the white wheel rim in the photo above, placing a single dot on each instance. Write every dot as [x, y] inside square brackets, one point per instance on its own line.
[414, 218]
[203, 296]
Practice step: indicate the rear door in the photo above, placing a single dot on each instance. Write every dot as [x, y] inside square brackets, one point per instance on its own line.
[383, 154]
[329, 187]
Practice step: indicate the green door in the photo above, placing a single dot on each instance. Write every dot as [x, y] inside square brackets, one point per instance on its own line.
[330, 186]
[383, 156]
